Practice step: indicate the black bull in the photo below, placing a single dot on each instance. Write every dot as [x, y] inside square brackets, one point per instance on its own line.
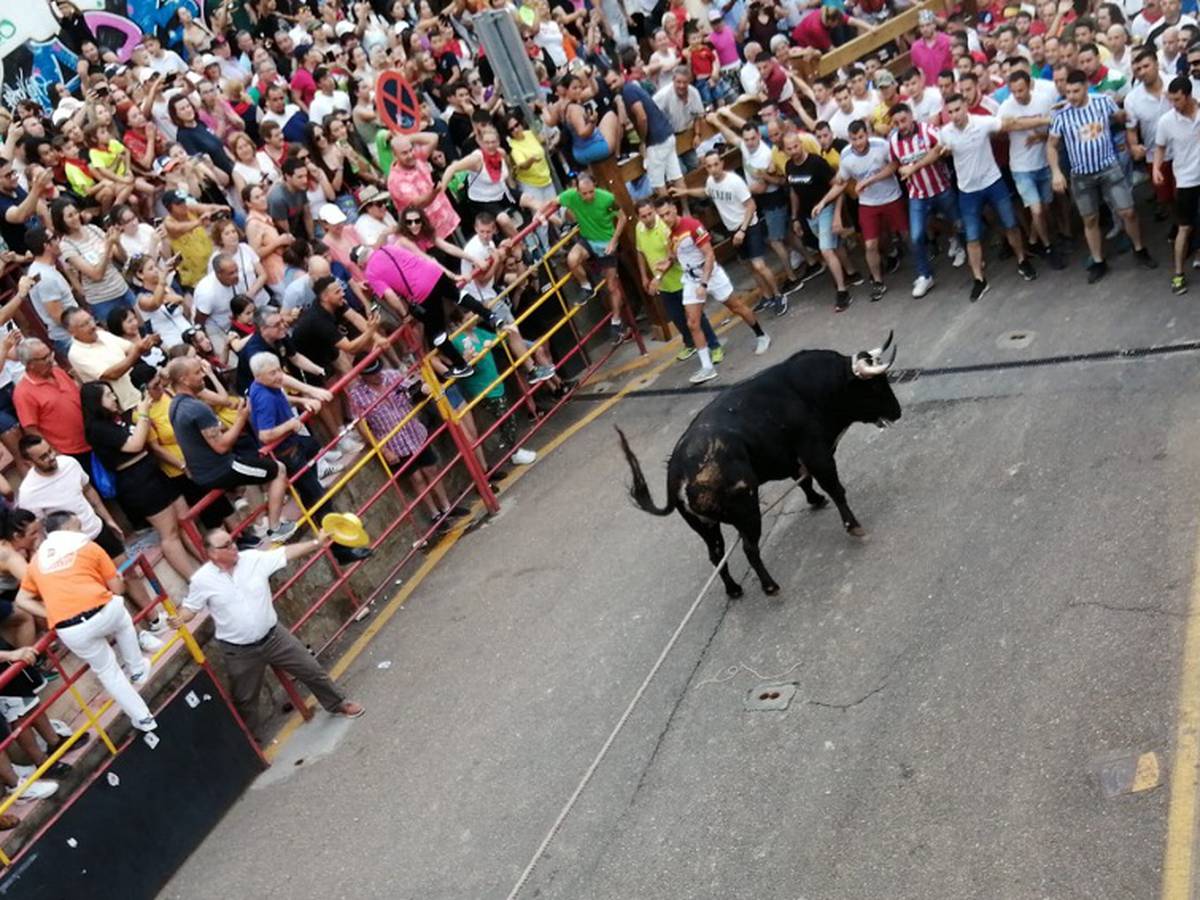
[784, 422]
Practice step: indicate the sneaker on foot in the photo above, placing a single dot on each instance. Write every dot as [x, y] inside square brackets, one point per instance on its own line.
[39, 790]
[878, 289]
[703, 375]
[763, 303]
[348, 709]
[979, 288]
[457, 512]
[1096, 271]
[149, 642]
[146, 724]
[464, 371]
[718, 354]
[853, 279]
[842, 302]
[922, 286]
[781, 306]
[618, 333]
[1178, 285]
[524, 457]
[761, 344]
[1026, 270]
[1055, 258]
[284, 530]
[540, 374]
[891, 262]
[812, 270]
[139, 676]
[326, 469]
[1144, 259]
[685, 353]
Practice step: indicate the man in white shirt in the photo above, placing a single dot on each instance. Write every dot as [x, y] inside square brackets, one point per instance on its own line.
[748, 74]
[164, 62]
[868, 163]
[326, 100]
[839, 122]
[235, 587]
[1145, 106]
[739, 214]
[968, 139]
[212, 298]
[1032, 102]
[1178, 134]
[925, 102]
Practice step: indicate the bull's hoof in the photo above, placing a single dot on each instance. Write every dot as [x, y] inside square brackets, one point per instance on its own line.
[819, 503]
[770, 589]
[857, 531]
[735, 592]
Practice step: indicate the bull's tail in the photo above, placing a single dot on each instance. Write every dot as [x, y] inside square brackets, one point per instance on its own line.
[639, 491]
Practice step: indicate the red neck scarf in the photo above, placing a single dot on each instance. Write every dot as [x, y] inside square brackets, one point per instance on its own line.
[494, 162]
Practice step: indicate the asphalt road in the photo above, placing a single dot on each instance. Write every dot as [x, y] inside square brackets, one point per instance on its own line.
[1013, 620]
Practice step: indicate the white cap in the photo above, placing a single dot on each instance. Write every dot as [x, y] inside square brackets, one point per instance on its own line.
[66, 108]
[209, 60]
[343, 27]
[331, 215]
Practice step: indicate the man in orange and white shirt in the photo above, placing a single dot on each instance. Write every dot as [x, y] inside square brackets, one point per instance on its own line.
[703, 277]
[74, 585]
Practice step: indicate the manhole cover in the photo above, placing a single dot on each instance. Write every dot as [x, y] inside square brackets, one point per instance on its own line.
[771, 696]
[1015, 340]
[1128, 774]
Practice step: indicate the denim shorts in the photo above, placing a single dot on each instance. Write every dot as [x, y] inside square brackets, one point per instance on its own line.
[754, 243]
[971, 204]
[1035, 188]
[822, 227]
[1111, 183]
[778, 220]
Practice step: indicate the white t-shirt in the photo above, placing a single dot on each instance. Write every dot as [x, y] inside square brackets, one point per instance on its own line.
[1022, 155]
[245, 257]
[371, 229]
[44, 492]
[855, 168]
[865, 108]
[754, 164]
[1181, 135]
[974, 162]
[839, 123]
[927, 108]
[478, 254]
[168, 64]
[751, 80]
[213, 298]
[139, 243]
[1143, 111]
[239, 601]
[729, 196]
[669, 61]
[323, 105]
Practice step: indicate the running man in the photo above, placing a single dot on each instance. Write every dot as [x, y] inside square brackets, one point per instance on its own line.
[704, 277]
[1177, 137]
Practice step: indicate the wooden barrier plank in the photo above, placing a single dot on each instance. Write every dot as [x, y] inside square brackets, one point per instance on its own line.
[883, 34]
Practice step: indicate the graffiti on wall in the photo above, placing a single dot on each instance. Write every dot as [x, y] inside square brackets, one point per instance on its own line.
[36, 53]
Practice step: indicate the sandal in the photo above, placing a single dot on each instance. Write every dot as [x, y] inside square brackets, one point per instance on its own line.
[8, 822]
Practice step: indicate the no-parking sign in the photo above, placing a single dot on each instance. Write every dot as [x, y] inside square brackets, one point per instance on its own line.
[396, 103]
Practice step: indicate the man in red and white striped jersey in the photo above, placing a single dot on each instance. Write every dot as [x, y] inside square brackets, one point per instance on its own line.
[930, 191]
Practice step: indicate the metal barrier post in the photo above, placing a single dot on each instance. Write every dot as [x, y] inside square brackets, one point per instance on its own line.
[465, 450]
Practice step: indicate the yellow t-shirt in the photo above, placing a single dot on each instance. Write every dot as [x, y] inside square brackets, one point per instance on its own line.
[194, 249]
[655, 244]
[529, 147]
[109, 158]
[163, 434]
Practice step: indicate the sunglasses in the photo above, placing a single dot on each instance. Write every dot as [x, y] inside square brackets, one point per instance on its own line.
[412, 221]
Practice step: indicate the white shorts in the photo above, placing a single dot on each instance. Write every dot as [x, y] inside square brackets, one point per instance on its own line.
[719, 288]
[662, 163]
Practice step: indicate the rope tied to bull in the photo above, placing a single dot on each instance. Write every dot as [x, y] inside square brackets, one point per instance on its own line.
[621, 722]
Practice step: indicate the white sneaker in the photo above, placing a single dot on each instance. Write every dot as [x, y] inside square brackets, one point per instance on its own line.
[703, 375]
[957, 253]
[523, 457]
[325, 468]
[146, 724]
[149, 642]
[761, 344]
[922, 285]
[39, 790]
[332, 455]
[241, 504]
[159, 623]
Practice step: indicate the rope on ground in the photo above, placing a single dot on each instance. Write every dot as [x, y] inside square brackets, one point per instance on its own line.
[621, 722]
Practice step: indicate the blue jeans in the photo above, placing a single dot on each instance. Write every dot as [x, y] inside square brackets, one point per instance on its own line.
[673, 301]
[101, 310]
[920, 209]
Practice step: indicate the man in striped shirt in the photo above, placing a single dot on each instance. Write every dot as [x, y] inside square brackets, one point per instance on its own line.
[1083, 126]
[930, 191]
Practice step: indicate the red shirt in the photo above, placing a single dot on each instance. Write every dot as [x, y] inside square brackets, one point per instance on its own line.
[52, 409]
[813, 32]
[702, 59]
[303, 86]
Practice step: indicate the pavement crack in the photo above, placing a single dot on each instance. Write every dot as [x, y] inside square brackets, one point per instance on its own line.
[1113, 607]
[863, 699]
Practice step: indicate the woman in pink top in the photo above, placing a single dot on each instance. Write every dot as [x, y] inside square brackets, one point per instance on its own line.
[264, 238]
[417, 287]
[724, 41]
[411, 182]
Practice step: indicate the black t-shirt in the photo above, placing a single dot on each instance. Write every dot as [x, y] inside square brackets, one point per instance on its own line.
[317, 333]
[809, 181]
[13, 232]
[285, 350]
[107, 437]
[462, 135]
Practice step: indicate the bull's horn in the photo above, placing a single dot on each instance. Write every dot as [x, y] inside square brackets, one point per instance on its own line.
[892, 358]
[887, 343]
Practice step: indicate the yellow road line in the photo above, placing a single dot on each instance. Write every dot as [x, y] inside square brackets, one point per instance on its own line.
[444, 546]
[1181, 815]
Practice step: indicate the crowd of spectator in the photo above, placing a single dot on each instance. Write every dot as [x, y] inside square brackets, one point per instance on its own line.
[208, 234]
